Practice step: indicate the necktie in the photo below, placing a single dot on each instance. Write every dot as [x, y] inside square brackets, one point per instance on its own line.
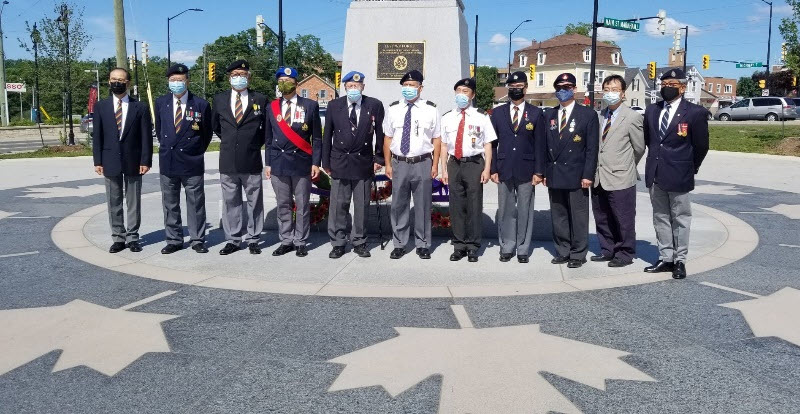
[238, 111]
[353, 119]
[608, 123]
[515, 119]
[405, 142]
[118, 116]
[178, 116]
[460, 136]
[288, 114]
[563, 122]
[662, 131]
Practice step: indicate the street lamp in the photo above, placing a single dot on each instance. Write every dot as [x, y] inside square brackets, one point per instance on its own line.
[769, 36]
[3, 95]
[96, 74]
[169, 61]
[36, 39]
[509, 43]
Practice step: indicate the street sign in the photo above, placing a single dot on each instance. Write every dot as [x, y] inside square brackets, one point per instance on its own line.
[653, 99]
[749, 65]
[15, 87]
[621, 24]
[765, 92]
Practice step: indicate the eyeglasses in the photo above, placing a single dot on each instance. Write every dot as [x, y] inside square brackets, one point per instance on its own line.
[123, 80]
[670, 84]
[619, 90]
[564, 87]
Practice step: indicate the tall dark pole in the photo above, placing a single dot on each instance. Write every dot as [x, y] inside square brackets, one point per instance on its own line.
[169, 56]
[135, 70]
[685, 48]
[595, 26]
[280, 32]
[65, 20]
[476, 47]
[35, 39]
[509, 44]
[769, 37]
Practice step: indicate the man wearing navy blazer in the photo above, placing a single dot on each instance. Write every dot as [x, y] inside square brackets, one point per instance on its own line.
[122, 148]
[676, 134]
[573, 139]
[183, 128]
[517, 167]
[292, 124]
[351, 151]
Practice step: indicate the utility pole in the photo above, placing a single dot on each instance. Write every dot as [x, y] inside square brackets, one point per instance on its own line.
[769, 37]
[4, 94]
[35, 40]
[204, 71]
[280, 32]
[119, 23]
[595, 26]
[685, 48]
[64, 20]
[475, 55]
[135, 70]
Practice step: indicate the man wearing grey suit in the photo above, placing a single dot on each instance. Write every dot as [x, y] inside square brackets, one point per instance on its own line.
[614, 189]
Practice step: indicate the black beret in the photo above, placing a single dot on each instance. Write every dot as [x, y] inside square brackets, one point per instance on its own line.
[673, 74]
[517, 77]
[414, 75]
[178, 69]
[565, 77]
[239, 64]
[468, 82]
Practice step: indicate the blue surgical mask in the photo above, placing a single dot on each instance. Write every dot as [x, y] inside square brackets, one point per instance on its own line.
[177, 87]
[462, 100]
[564, 95]
[239, 82]
[353, 95]
[611, 98]
[410, 92]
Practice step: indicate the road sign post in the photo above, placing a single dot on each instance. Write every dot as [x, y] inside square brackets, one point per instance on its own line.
[620, 24]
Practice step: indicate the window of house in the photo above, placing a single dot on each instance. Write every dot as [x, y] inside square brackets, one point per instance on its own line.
[719, 87]
[694, 86]
[585, 79]
[323, 93]
[710, 87]
[634, 102]
[587, 55]
[540, 79]
[599, 76]
[728, 88]
[523, 60]
[540, 57]
[635, 85]
[615, 58]
[304, 93]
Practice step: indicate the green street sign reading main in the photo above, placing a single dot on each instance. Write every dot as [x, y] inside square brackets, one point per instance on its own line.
[749, 65]
[621, 24]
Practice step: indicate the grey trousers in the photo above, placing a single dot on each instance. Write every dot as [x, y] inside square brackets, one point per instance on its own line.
[466, 203]
[515, 216]
[411, 180]
[293, 191]
[128, 187]
[195, 208]
[569, 210]
[342, 191]
[234, 219]
[672, 218]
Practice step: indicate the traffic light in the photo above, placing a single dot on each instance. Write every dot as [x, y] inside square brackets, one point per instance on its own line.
[471, 70]
[662, 26]
[794, 81]
[338, 78]
[762, 84]
[706, 62]
[260, 30]
[533, 71]
[651, 70]
[212, 71]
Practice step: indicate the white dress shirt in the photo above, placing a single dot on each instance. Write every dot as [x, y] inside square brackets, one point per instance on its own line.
[125, 100]
[672, 109]
[233, 102]
[569, 109]
[184, 100]
[521, 112]
[358, 108]
[478, 130]
[425, 126]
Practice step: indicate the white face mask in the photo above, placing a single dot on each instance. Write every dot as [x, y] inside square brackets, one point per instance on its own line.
[611, 98]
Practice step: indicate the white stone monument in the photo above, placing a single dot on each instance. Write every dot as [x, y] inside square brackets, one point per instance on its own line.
[386, 38]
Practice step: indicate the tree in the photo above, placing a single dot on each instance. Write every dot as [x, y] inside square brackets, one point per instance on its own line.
[779, 83]
[307, 55]
[579, 28]
[486, 78]
[791, 36]
[747, 87]
[53, 43]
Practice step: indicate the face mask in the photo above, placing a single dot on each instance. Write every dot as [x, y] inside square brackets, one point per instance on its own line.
[462, 101]
[286, 88]
[353, 95]
[239, 82]
[118, 88]
[177, 87]
[611, 98]
[410, 92]
[669, 93]
[564, 95]
[516, 93]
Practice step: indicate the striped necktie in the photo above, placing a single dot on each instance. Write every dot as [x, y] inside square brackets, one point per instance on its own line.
[515, 119]
[178, 116]
[288, 114]
[608, 123]
[238, 111]
[563, 122]
[662, 131]
[118, 116]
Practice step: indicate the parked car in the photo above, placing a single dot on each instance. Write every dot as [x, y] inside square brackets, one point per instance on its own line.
[638, 109]
[87, 125]
[770, 108]
[797, 104]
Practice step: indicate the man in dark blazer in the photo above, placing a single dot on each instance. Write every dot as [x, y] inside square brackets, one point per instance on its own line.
[183, 128]
[238, 119]
[676, 134]
[122, 148]
[351, 151]
[292, 124]
[573, 138]
[517, 167]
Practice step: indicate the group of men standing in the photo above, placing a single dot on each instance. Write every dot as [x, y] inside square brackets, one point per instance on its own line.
[576, 153]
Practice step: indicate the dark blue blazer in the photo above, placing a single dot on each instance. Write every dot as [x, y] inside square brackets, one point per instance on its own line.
[347, 154]
[240, 143]
[571, 156]
[673, 162]
[518, 155]
[125, 154]
[181, 154]
[280, 154]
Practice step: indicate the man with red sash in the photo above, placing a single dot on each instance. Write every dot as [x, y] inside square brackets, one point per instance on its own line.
[292, 124]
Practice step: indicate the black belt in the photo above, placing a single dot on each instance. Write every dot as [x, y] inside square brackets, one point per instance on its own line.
[467, 159]
[412, 160]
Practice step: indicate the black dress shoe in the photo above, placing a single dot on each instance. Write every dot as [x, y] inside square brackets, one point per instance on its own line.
[575, 263]
[228, 249]
[116, 247]
[397, 253]
[302, 251]
[504, 257]
[659, 267]
[135, 247]
[560, 260]
[522, 258]
[457, 255]
[472, 257]
[617, 262]
[254, 249]
[423, 253]
[171, 248]
[283, 249]
[361, 250]
[336, 252]
[601, 258]
[200, 248]
[680, 271]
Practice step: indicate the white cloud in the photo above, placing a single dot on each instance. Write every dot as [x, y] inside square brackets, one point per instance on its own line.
[607, 34]
[651, 27]
[187, 57]
[498, 40]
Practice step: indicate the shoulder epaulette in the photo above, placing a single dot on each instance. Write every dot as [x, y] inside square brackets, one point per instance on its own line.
[481, 111]
[447, 112]
[431, 103]
[394, 103]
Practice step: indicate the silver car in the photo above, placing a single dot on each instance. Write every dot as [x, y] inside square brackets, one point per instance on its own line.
[770, 108]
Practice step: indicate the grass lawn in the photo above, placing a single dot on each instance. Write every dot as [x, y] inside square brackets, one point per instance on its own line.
[763, 139]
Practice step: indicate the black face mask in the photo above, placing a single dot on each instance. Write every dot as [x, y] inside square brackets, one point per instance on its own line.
[516, 93]
[669, 93]
[118, 88]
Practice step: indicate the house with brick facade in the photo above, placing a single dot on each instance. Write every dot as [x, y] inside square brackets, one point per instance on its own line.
[317, 88]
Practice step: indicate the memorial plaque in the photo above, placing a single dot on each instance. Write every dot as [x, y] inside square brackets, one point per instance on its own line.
[398, 58]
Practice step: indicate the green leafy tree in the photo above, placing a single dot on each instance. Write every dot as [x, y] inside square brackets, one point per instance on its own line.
[747, 87]
[791, 36]
[305, 53]
[779, 83]
[486, 78]
[584, 29]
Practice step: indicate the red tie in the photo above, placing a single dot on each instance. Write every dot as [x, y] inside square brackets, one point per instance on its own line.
[460, 136]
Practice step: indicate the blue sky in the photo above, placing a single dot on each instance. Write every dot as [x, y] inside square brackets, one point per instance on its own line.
[724, 29]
